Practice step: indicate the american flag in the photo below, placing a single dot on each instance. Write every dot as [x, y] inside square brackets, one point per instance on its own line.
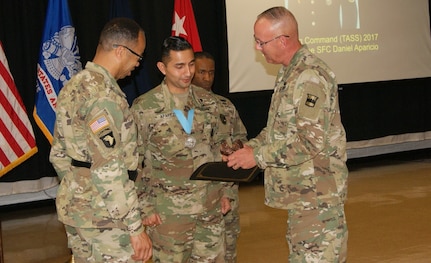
[16, 134]
[99, 124]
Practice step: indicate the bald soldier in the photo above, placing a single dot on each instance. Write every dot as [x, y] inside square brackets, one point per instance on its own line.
[303, 146]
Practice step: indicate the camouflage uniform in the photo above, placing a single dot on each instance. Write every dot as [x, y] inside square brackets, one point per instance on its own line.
[230, 128]
[192, 224]
[99, 204]
[302, 150]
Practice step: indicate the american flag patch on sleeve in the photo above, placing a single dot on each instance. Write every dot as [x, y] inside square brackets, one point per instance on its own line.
[99, 124]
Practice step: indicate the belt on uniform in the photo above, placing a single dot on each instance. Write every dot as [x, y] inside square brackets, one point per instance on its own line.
[132, 173]
[80, 164]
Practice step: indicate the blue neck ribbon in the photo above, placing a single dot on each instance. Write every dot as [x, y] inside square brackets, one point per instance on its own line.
[186, 123]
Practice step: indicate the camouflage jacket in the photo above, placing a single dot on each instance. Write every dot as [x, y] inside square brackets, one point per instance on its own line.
[230, 128]
[94, 125]
[167, 163]
[303, 144]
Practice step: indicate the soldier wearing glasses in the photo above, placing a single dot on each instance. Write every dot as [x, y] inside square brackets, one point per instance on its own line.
[302, 147]
[95, 156]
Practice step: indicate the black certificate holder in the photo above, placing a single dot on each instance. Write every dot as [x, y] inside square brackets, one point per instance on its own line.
[219, 171]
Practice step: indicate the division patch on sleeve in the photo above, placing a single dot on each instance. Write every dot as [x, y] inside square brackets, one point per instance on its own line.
[312, 101]
[102, 129]
[107, 137]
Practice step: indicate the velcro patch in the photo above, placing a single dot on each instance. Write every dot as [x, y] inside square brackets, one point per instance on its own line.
[108, 139]
[312, 101]
[99, 124]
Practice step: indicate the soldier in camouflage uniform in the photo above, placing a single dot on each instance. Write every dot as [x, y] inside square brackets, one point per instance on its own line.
[95, 155]
[230, 128]
[176, 122]
[302, 148]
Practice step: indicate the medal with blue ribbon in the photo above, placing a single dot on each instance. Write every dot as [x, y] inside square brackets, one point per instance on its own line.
[187, 125]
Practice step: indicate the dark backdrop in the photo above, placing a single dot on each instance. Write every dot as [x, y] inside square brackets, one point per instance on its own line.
[369, 110]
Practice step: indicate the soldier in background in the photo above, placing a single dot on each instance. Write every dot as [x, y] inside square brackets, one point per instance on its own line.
[230, 129]
[303, 146]
[95, 156]
[176, 122]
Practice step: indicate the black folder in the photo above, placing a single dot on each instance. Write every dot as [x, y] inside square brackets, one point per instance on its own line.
[219, 171]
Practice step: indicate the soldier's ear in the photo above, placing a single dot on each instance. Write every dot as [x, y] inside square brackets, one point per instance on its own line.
[119, 52]
[283, 41]
[161, 66]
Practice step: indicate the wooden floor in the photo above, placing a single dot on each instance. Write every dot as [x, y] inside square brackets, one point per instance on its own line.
[388, 214]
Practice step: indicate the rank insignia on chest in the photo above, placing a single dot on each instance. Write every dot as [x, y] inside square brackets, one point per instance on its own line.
[223, 118]
[311, 100]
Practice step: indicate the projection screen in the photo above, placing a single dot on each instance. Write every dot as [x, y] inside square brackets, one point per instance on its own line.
[361, 40]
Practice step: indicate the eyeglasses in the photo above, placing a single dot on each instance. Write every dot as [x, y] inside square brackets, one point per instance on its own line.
[263, 43]
[131, 51]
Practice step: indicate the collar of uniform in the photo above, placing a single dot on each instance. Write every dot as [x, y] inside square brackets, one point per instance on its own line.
[299, 55]
[200, 98]
[297, 58]
[101, 70]
[169, 98]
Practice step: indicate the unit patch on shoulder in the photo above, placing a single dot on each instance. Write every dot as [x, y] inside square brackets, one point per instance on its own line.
[100, 126]
[108, 139]
[312, 101]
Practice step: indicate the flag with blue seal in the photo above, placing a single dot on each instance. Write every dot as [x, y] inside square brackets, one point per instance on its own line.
[58, 62]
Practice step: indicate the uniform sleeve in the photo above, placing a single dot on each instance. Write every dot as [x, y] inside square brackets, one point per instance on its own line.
[112, 143]
[64, 147]
[259, 140]
[146, 194]
[239, 132]
[58, 157]
[304, 126]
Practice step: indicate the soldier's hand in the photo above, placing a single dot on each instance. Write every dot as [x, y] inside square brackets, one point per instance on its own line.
[242, 158]
[142, 247]
[152, 220]
[225, 205]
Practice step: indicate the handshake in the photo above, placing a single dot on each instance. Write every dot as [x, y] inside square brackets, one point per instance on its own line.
[225, 149]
